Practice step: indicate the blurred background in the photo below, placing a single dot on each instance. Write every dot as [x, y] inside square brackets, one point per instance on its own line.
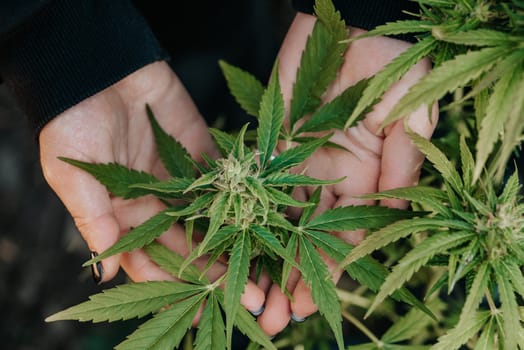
[41, 252]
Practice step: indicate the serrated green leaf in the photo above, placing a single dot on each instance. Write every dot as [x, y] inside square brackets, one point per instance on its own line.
[512, 270]
[498, 111]
[200, 203]
[204, 180]
[210, 334]
[240, 150]
[127, 301]
[271, 242]
[357, 217]
[271, 118]
[334, 114]
[396, 231]
[257, 190]
[428, 196]
[398, 27]
[224, 140]
[407, 327]
[166, 329]
[308, 212]
[171, 262]
[288, 179]
[476, 37]
[295, 156]
[277, 220]
[282, 198]
[246, 89]
[456, 337]
[467, 163]
[391, 73]
[115, 177]
[291, 250]
[438, 159]
[173, 155]
[320, 61]
[236, 279]
[415, 259]
[476, 293]
[509, 307]
[171, 186]
[138, 237]
[367, 271]
[511, 189]
[447, 77]
[323, 292]
[218, 212]
[487, 338]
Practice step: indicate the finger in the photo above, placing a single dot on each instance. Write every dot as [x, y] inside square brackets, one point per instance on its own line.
[401, 160]
[277, 313]
[303, 305]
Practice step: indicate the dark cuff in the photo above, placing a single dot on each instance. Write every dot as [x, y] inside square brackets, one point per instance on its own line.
[368, 14]
[71, 50]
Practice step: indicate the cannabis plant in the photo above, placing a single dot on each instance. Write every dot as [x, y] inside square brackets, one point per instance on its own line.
[460, 247]
[239, 203]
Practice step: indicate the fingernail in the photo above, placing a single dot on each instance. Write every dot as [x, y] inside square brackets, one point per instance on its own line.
[271, 337]
[258, 312]
[96, 269]
[297, 319]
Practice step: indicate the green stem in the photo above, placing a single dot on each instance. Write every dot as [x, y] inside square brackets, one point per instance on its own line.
[362, 328]
[491, 303]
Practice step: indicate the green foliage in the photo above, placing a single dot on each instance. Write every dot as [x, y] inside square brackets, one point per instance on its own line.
[460, 247]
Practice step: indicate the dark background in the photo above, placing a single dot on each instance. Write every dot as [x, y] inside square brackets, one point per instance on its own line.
[41, 252]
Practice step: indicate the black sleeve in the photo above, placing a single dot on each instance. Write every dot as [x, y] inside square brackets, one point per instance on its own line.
[367, 14]
[54, 54]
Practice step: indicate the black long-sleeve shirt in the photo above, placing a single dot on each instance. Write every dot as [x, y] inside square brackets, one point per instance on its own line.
[55, 53]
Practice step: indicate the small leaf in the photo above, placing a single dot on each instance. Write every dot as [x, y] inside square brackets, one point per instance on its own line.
[173, 155]
[115, 177]
[271, 242]
[171, 186]
[428, 196]
[417, 258]
[398, 230]
[271, 118]
[210, 334]
[295, 156]
[224, 140]
[291, 250]
[407, 327]
[501, 105]
[127, 301]
[282, 198]
[334, 114]
[200, 203]
[257, 190]
[487, 338]
[456, 337]
[398, 27]
[438, 159]
[218, 212]
[138, 237]
[237, 273]
[383, 80]
[510, 309]
[476, 293]
[447, 77]
[171, 262]
[246, 89]
[166, 329]
[308, 212]
[476, 37]
[202, 181]
[318, 279]
[357, 217]
[511, 189]
[320, 61]
[288, 179]
[467, 163]
[512, 270]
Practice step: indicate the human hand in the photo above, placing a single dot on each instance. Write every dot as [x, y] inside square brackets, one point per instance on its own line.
[377, 159]
[112, 126]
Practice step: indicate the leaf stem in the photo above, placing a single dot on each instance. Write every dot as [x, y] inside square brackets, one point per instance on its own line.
[362, 328]
[491, 303]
